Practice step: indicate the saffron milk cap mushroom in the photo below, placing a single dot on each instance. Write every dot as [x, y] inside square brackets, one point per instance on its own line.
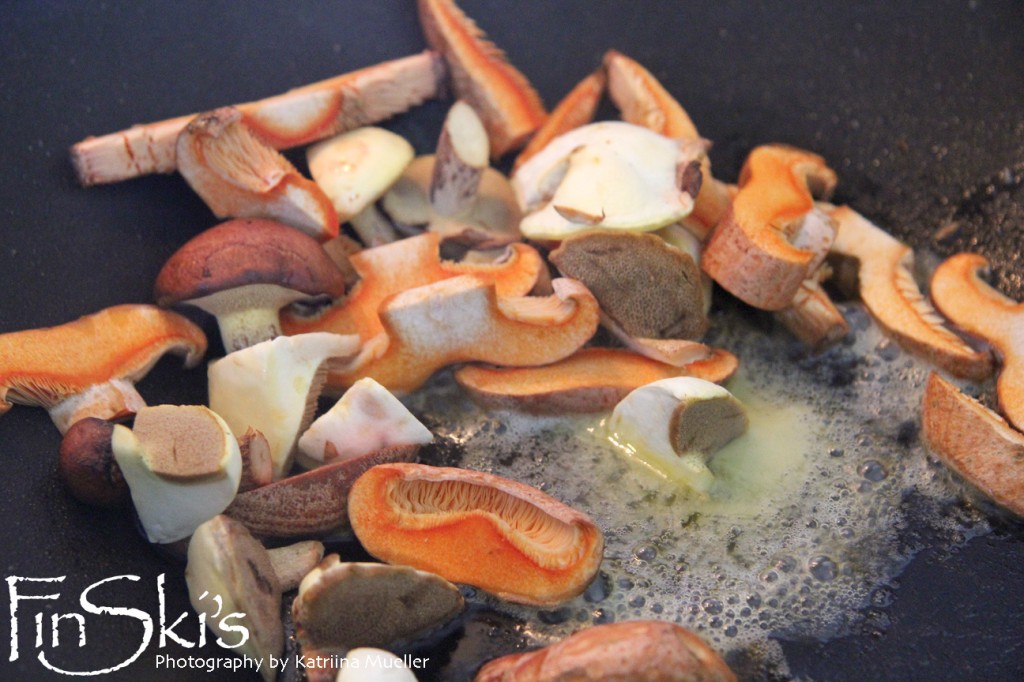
[243, 272]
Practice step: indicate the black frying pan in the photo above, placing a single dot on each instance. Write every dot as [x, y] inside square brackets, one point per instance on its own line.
[919, 109]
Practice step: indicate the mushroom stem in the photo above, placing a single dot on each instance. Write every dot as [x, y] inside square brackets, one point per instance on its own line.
[461, 157]
[373, 227]
[249, 319]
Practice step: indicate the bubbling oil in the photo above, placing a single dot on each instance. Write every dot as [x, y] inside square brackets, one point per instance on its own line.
[807, 519]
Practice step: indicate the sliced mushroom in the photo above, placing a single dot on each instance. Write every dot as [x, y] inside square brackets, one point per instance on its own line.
[509, 107]
[354, 170]
[768, 242]
[257, 464]
[973, 305]
[243, 272]
[182, 465]
[86, 464]
[367, 418]
[886, 285]
[813, 318]
[674, 426]
[239, 175]
[609, 175]
[538, 550]
[975, 442]
[87, 368]
[292, 563]
[343, 605]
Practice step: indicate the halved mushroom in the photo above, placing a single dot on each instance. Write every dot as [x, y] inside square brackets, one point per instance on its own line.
[674, 426]
[464, 320]
[538, 550]
[87, 368]
[590, 380]
[887, 287]
[244, 272]
[769, 241]
[632, 650]
[182, 465]
[970, 303]
[354, 170]
[239, 175]
[335, 599]
[609, 175]
[367, 418]
[974, 442]
[509, 107]
[273, 387]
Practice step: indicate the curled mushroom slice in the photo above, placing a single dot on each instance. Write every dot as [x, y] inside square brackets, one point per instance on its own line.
[243, 272]
[970, 303]
[759, 252]
[86, 464]
[527, 547]
[182, 465]
[88, 367]
[273, 387]
[239, 175]
[463, 320]
[590, 380]
[609, 175]
[974, 442]
[367, 418]
[335, 599]
[674, 426]
[310, 504]
[887, 287]
[354, 170]
[631, 650]
[232, 581]
[511, 110]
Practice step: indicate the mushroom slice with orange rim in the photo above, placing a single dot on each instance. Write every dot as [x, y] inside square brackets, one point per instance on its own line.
[464, 320]
[886, 285]
[975, 442]
[631, 650]
[590, 380]
[753, 252]
[971, 304]
[238, 175]
[509, 107]
[305, 114]
[87, 368]
[644, 101]
[527, 547]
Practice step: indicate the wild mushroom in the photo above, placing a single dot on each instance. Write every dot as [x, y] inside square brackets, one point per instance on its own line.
[631, 650]
[885, 282]
[970, 303]
[674, 426]
[182, 465]
[367, 418]
[243, 272]
[590, 380]
[87, 368]
[334, 599]
[975, 442]
[86, 464]
[238, 175]
[610, 175]
[539, 551]
[511, 110]
[273, 387]
[354, 170]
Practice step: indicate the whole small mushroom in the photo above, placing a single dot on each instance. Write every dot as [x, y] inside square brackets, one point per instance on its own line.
[243, 272]
[86, 464]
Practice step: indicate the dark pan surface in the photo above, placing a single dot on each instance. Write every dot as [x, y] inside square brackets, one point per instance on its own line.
[918, 106]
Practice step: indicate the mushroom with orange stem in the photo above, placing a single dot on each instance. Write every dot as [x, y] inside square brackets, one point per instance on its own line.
[354, 170]
[511, 110]
[88, 367]
[243, 272]
[885, 282]
[239, 175]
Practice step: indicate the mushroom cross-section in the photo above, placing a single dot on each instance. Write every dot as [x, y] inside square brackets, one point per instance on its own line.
[87, 368]
[243, 272]
[477, 528]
